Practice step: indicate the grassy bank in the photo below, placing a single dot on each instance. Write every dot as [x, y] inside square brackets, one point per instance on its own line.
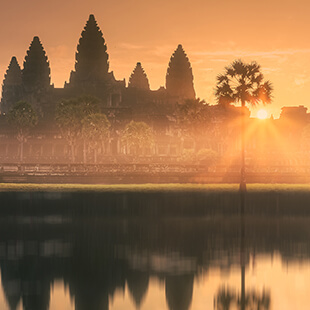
[153, 187]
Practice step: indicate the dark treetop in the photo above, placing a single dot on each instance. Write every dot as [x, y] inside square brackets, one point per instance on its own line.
[179, 78]
[243, 83]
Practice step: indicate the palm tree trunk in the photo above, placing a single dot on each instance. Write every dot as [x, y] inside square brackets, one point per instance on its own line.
[242, 186]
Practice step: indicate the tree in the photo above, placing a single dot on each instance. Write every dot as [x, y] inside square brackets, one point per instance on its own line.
[91, 57]
[12, 88]
[138, 78]
[95, 129]
[22, 117]
[69, 116]
[194, 119]
[242, 83]
[179, 78]
[137, 135]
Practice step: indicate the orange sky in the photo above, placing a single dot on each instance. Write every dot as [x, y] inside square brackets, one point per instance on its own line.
[213, 33]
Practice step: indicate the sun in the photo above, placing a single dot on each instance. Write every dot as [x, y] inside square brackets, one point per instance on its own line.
[262, 114]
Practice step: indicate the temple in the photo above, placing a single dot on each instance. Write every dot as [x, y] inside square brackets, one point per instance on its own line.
[183, 126]
[91, 76]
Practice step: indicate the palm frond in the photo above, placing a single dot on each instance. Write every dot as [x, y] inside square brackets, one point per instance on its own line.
[243, 83]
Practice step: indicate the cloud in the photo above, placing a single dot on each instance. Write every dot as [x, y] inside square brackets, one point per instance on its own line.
[129, 46]
[300, 80]
[268, 70]
[205, 69]
[59, 51]
[218, 60]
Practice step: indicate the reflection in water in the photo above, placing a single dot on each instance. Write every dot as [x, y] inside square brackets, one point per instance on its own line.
[130, 244]
[226, 298]
[179, 291]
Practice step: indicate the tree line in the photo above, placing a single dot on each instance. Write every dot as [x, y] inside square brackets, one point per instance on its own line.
[81, 117]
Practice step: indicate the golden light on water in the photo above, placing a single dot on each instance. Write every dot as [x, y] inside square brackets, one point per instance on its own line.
[262, 114]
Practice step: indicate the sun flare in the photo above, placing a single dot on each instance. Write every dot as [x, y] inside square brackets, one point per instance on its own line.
[262, 114]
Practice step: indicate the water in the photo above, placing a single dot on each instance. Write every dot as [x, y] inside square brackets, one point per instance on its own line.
[154, 251]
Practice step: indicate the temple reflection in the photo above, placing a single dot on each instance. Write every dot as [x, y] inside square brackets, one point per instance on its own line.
[95, 257]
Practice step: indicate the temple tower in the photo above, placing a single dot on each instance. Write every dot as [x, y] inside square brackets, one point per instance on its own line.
[91, 66]
[179, 78]
[138, 78]
[36, 73]
[12, 87]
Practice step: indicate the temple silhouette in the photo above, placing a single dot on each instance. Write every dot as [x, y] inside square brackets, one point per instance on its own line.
[91, 76]
[175, 134]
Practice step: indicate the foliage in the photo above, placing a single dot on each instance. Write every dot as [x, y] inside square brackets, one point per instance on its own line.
[69, 116]
[179, 78]
[137, 134]
[23, 117]
[70, 113]
[95, 127]
[194, 118]
[193, 115]
[243, 83]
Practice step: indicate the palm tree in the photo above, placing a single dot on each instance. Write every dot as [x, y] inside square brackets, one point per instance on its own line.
[243, 83]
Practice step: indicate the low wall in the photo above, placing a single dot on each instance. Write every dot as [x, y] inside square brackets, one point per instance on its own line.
[148, 173]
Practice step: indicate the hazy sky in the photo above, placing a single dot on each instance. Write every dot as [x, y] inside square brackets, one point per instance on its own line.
[213, 33]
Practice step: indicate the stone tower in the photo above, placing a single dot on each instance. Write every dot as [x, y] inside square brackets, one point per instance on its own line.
[36, 72]
[179, 78]
[12, 87]
[91, 59]
[138, 78]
